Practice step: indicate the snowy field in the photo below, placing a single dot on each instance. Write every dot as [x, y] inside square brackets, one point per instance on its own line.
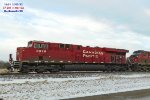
[63, 86]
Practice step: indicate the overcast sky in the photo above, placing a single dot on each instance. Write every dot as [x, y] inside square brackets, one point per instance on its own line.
[121, 24]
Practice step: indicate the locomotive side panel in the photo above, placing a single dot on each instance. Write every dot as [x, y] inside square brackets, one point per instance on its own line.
[92, 55]
[64, 53]
[115, 56]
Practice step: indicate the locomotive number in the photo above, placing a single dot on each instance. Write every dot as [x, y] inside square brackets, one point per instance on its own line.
[41, 51]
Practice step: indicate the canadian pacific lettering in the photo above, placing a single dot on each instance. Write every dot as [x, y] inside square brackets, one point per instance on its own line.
[90, 54]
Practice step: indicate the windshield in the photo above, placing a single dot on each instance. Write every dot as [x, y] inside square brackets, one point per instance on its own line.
[136, 53]
[30, 44]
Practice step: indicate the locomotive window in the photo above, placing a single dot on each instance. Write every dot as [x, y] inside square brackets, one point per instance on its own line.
[68, 46]
[30, 44]
[44, 46]
[136, 53]
[40, 45]
[61, 46]
[37, 45]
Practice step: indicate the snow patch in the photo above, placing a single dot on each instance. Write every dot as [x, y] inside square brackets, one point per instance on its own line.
[63, 88]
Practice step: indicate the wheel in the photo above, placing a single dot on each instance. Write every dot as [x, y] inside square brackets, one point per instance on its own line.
[24, 69]
[39, 71]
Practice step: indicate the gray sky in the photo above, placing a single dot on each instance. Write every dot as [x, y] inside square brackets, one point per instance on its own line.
[104, 23]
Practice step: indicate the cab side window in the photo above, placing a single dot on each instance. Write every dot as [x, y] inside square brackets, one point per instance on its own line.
[61, 46]
[68, 46]
[43, 46]
[36, 45]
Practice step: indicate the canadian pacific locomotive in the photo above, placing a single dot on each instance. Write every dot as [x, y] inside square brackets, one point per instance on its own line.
[40, 56]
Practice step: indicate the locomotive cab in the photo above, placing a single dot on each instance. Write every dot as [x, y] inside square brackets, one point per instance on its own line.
[134, 57]
[140, 57]
[140, 60]
[35, 51]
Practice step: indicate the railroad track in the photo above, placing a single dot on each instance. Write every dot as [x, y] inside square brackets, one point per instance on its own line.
[62, 72]
[69, 72]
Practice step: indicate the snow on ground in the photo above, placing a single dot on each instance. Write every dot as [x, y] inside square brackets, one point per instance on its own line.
[61, 88]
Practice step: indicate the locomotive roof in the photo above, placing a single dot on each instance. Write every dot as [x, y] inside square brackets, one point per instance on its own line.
[140, 51]
[106, 48]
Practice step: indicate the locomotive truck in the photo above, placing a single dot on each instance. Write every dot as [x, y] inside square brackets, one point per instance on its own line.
[40, 56]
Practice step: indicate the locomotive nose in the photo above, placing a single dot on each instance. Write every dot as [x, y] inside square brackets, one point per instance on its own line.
[133, 58]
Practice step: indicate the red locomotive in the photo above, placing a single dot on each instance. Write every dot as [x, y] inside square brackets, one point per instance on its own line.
[40, 56]
[43, 56]
[140, 61]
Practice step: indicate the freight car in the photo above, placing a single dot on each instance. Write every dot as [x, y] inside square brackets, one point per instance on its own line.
[40, 56]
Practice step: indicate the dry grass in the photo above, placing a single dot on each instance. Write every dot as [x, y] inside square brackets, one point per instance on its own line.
[3, 71]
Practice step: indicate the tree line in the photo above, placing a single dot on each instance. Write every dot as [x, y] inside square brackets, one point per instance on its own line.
[4, 64]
